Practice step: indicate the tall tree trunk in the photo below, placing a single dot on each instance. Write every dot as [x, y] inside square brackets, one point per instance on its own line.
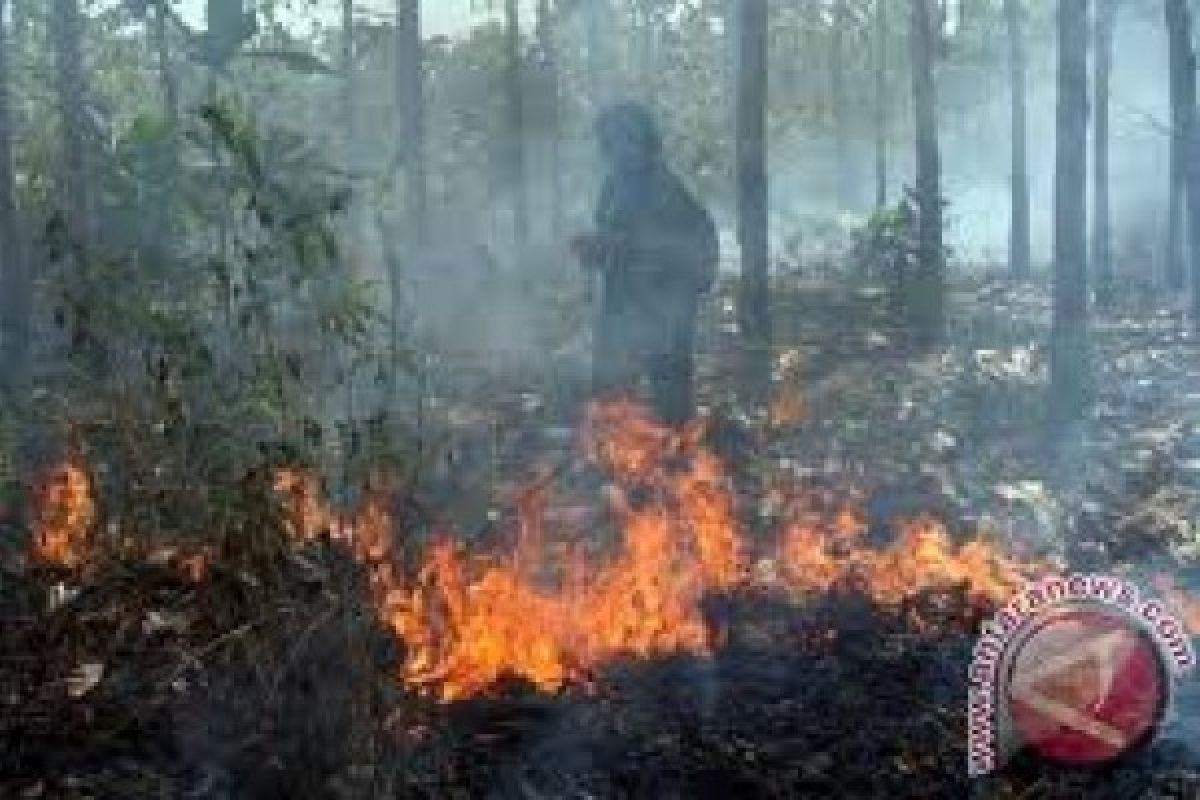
[1178, 47]
[1068, 346]
[1101, 225]
[1191, 156]
[516, 126]
[926, 297]
[881, 104]
[349, 88]
[1018, 240]
[841, 112]
[753, 306]
[15, 284]
[410, 106]
[170, 163]
[550, 84]
[599, 16]
[76, 189]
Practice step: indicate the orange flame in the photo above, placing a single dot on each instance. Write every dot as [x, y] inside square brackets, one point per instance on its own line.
[64, 515]
[468, 620]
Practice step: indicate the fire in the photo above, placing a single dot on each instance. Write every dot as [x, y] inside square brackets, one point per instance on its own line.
[819, 554]
[549, 612]
[64, 515]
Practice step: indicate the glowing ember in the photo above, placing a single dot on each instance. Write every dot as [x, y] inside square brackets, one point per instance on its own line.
[63, 516]
[552, 614]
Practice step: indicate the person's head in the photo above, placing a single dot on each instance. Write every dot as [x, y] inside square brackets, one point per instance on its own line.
[628, 136]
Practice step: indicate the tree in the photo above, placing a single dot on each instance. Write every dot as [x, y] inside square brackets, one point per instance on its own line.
[410, 106]
[76, 185]
[1068, 345]
[1018, 247]
[841, 113]
[926, 298]
[1101, 224]
[753, 305]
[549, 100]
[516, 125]
[881, 104]
[14, 275]
[1181, 72]
[170, 162]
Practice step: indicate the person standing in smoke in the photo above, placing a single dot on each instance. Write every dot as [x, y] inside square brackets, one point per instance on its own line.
[655, 249]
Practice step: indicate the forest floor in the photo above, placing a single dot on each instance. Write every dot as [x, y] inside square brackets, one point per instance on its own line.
[268, 679]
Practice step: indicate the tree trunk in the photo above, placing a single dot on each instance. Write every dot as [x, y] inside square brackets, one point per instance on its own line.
[76, 188]
[598, 18]
[1191, 157]
[1068, 346]
[841, 113]
[410, 105]
[926, 298]
[550, 84]
[753, 306]
[881, 104]
[170, 164]
[1178, 48]
[1018, 241]
[516, 126]
[15, 284]
[349, 87]
[1101, 225]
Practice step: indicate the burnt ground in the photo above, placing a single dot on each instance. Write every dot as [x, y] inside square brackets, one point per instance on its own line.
[271, 678]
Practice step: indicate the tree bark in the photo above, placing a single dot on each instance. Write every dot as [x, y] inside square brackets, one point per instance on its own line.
[1018, 241]
[752, 229]
[1068, 348]
[1178, 48]
[15, 283]
[76, 188]
[516, 126]
[881, 104]
[1101, 224]
[410, 106]
[926, 298]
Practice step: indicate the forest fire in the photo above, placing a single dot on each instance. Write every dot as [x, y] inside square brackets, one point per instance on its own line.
[468, 620]
[63, 515]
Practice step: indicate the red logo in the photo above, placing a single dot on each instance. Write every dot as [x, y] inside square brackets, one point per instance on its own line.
[1086, 686]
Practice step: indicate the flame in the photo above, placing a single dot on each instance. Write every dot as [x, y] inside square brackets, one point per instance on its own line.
[64, 515]
[818, 555]
[550, 612]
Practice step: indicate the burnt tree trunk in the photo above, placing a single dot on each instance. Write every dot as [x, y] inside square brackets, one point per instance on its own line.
[1102, 267]
[1068, 344]
[1018, 241]
[169, 163]
[1178, 61]
[15, 283]
[753, 300]
[926, 295]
